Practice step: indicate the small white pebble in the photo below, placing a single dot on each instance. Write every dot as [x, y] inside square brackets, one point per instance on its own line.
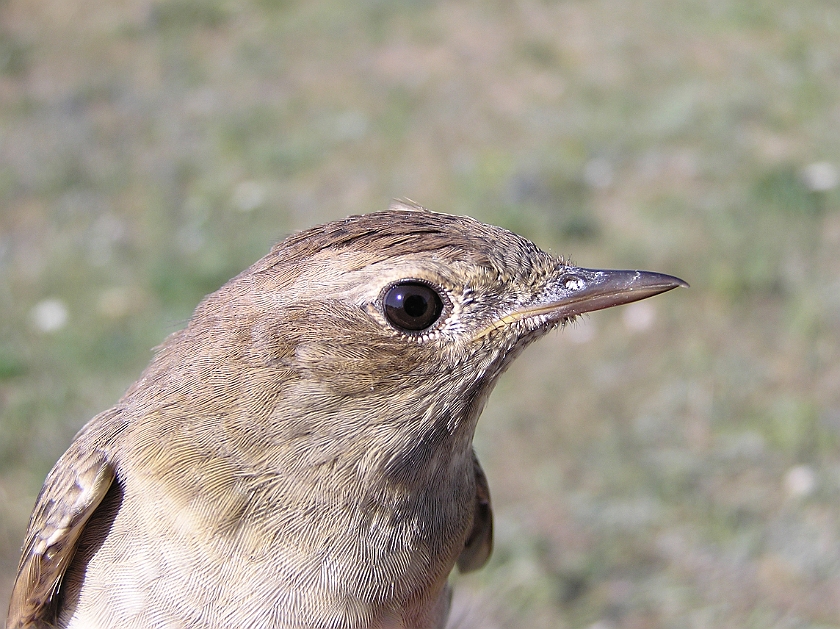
[800, 481]
[639, 316]
[248, 196]
[820, 176]
[49, 315]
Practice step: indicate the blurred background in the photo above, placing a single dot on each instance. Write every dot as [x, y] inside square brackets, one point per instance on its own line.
[671, 464]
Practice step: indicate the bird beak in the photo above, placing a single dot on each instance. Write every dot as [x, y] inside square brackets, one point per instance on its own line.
[575, 291]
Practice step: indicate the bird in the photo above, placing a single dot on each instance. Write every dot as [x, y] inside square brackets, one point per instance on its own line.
[300, 454]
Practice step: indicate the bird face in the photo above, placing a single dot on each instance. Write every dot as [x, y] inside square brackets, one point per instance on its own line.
[408, 296]
[408, 310]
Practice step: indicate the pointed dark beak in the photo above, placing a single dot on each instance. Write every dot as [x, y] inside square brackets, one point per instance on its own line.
[577, 290]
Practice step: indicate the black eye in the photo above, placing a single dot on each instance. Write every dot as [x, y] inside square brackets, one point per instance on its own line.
[412, 306]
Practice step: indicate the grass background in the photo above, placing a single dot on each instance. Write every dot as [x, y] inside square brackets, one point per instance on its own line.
[675, 464]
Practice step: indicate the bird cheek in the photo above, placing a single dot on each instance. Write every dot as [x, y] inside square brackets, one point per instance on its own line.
[350, 368]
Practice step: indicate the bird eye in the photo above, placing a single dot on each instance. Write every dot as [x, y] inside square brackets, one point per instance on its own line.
[412, 306]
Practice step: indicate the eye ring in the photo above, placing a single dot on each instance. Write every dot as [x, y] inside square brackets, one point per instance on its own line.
[412, 306]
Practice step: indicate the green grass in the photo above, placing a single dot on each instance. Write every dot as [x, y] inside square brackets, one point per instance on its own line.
[152, 151]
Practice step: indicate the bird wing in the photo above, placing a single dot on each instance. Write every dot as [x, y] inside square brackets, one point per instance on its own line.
[479, 542]
[71, 493]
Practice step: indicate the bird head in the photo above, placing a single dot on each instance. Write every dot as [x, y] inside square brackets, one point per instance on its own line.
[382, 334]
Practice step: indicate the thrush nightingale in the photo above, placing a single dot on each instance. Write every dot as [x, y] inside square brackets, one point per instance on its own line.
[300, 455]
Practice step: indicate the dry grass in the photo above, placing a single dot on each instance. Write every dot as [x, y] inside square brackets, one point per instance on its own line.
[671, 465]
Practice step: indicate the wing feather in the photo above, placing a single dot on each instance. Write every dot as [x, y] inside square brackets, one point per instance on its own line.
[72, 492]
[479, 543]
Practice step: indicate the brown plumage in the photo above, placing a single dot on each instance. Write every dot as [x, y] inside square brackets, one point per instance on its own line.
[300, 455]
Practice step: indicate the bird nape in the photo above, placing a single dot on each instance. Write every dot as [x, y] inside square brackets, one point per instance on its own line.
[300, 455]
